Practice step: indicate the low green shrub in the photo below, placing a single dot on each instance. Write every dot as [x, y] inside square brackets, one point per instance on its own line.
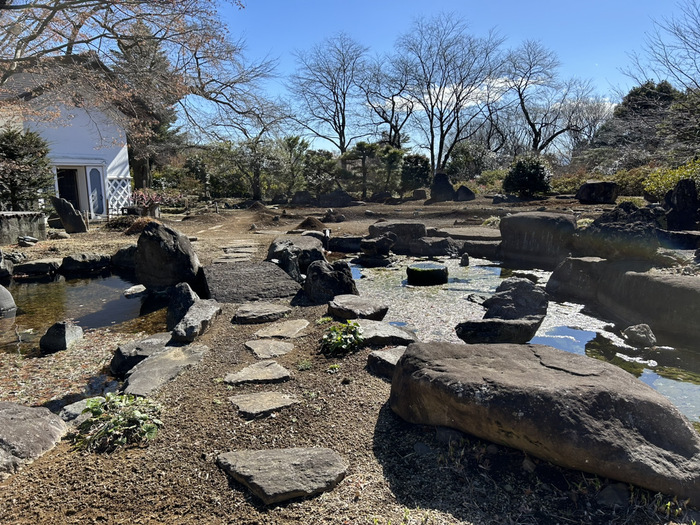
[568, 184]
[661, 181]
[527, 176]
[342, 339]
[116, 421]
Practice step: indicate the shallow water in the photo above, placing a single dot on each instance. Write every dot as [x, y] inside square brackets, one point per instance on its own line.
[433, 312]
[90, 302]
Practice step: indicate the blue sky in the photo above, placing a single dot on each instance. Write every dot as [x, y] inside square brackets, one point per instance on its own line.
[592, 38]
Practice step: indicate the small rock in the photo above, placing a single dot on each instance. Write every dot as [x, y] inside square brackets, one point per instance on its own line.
[378, 333]
[639, 335]
[137, 290]
[60, 336]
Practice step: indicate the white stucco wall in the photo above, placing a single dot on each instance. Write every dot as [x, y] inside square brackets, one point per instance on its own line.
[79, 136]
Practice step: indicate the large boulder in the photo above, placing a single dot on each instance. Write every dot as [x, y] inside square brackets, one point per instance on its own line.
[378, 246]
[197, 320]
[294, 253]
[248, 281]
[540, 239]
[464, 194]
[499, 330]
[124, 258]
[434, 247]
[516, 297]
[7, 302]
[577, 279]
[682, 203]
[303, 198]
[72, 220]
[324, 281]
[84, 263]
[25, 434]
[165, 257]
[405, 232]
[627, 232]
[181, 299]
[335, 199]
[597, 192]
[441, 190]
[37, 267]
[568, 409]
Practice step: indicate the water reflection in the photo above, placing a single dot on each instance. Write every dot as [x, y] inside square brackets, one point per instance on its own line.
[90, 302]
[433, 312]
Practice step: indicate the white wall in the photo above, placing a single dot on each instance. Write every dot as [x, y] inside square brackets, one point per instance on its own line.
[84, 136]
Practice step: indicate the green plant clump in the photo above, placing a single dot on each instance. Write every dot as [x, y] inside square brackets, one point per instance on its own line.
[116, 421]
[660, 182]
[342, 339]
[527, 176]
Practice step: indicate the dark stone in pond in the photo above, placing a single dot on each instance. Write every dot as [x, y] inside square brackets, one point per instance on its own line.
[426, 274]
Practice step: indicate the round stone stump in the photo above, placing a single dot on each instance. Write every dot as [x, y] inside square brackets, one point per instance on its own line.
[426, 274]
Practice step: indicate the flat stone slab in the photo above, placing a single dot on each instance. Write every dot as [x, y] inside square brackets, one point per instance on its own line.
[25, 434]
[282, 474]
[232, 258]
[268, 348]
[378, 333]
[571, 410]
[349, 306]
[383, 362]
[260, 312]
[284, 329]
[261, 403]
[129, 355]
[262, 372]
[248, 281]
[155, 371]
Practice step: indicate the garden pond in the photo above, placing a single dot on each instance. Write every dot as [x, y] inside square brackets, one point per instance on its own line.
[432, 312]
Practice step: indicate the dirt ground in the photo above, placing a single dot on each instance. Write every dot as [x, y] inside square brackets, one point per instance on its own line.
[399, 473]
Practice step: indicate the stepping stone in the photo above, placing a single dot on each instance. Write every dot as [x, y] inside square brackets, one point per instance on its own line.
[378, 333]
[283, 474]
[284, 329]
[268, 348]
[262, 372]
[261, 403]
[241, 282]
[349, 306]
[259, 312]
[383, 362]
[25, 434]
[153, 372]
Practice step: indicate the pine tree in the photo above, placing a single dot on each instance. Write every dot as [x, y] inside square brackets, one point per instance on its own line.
[25, 170]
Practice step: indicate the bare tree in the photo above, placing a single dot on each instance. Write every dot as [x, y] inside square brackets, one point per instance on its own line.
[384, 85]
[325, 88]
[449, 73]
[209, 78]
[548, 106]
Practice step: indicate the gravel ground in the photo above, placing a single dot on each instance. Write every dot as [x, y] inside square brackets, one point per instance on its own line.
[399, 473]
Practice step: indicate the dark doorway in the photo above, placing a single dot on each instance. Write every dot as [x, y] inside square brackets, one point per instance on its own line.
[68, 185]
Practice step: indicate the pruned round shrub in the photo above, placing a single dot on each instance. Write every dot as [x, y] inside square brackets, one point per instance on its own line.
[527, 176]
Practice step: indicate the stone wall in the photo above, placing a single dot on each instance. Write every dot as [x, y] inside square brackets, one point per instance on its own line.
[14, 224]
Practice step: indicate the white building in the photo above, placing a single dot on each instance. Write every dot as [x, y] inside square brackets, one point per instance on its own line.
[88, 147]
